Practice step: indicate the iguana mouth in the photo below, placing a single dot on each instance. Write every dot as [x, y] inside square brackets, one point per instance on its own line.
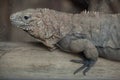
[27, 27]
[22, 25]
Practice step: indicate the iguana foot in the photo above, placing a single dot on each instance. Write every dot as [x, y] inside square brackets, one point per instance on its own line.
[87, 64]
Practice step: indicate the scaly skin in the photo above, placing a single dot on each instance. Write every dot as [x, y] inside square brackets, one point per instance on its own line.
[92, 33]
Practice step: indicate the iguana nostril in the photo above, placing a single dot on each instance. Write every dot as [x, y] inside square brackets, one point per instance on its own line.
[11, 17]
[14, 16]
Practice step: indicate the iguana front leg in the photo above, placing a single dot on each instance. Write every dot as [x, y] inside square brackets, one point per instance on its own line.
[90, 53]
[77, 43]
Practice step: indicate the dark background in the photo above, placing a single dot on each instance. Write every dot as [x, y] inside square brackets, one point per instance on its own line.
[7, 7]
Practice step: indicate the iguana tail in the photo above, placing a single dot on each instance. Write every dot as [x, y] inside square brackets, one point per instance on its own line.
[109, 53]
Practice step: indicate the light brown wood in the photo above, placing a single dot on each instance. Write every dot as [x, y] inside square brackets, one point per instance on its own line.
[33, 61]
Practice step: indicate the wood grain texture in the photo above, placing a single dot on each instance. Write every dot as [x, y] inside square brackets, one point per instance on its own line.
[34, 61]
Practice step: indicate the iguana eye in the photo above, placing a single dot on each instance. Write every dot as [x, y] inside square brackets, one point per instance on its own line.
[26, 17]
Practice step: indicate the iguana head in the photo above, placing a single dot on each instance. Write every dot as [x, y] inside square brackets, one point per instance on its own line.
[34, 22]
[27, 19]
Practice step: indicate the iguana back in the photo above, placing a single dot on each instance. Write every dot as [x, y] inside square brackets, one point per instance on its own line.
[102, 29]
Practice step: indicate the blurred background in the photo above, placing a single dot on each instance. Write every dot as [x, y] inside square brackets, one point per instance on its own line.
[7, 7]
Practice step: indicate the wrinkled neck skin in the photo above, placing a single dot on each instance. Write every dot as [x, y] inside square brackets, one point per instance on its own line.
[51, 27]
[42, 32]
[47, 37]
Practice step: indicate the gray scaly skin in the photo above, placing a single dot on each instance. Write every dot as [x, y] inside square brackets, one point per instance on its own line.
[92, 33]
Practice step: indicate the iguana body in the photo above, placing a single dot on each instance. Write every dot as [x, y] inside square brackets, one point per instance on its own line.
[90, 32]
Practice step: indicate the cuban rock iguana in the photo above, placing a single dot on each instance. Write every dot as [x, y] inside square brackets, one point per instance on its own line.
[93, 33]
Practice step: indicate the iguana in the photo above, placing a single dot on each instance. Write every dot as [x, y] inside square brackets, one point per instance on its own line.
[91, 33]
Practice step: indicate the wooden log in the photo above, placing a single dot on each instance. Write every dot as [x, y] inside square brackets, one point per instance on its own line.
[34, 61]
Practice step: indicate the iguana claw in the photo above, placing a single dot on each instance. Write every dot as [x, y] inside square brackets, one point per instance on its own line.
[87, 64]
